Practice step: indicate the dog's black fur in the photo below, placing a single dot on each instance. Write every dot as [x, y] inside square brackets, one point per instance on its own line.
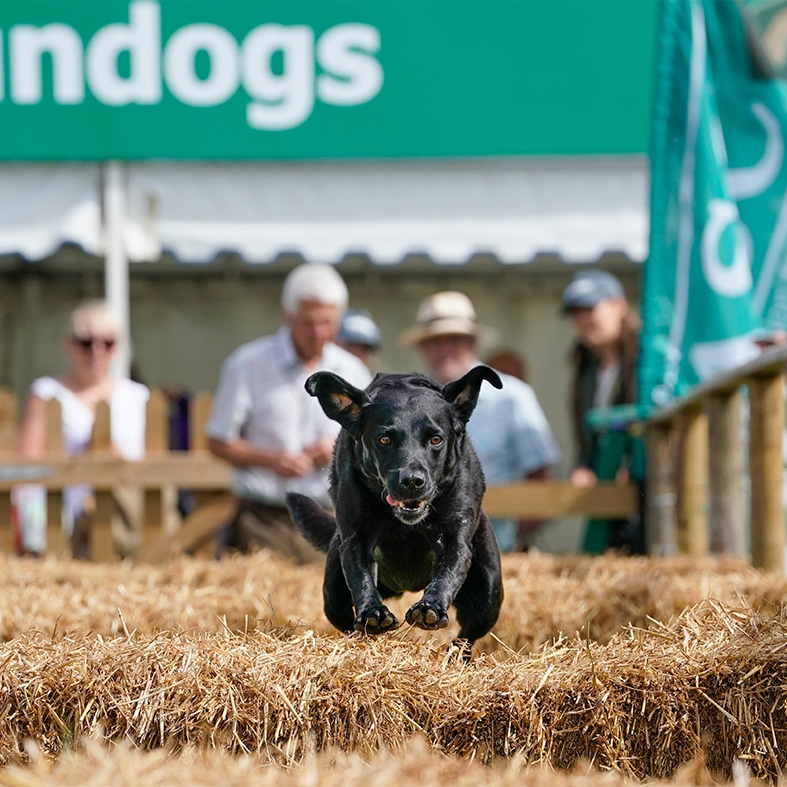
[407, 488]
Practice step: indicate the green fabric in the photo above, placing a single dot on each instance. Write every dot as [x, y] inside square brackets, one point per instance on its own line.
[305, 79]
[613, 448]
[715, 274]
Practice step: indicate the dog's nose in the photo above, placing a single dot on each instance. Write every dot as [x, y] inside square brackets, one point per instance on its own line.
[412, 482]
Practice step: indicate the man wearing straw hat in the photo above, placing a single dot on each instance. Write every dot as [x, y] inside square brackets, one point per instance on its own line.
[508, 428]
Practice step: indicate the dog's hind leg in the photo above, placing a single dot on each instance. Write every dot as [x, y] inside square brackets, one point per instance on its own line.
[479, 599]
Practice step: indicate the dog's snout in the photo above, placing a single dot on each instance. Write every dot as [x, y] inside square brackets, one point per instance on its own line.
[412, 482]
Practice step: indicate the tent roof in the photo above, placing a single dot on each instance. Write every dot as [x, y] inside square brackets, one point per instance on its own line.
[448, 210]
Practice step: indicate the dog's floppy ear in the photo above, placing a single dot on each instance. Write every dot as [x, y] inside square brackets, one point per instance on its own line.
[340, 401]
[463, 393]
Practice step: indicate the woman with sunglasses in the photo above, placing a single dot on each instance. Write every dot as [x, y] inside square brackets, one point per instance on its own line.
[93, 332]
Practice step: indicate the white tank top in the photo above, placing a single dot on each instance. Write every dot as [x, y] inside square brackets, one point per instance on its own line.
[127, 416]
[127, 428]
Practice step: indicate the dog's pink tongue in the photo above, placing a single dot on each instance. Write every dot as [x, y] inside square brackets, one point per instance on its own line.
[391, 501]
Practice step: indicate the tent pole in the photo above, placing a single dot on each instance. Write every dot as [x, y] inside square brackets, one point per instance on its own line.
[116, 273]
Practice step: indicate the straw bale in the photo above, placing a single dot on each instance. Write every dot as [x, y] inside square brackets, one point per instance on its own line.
[99, 766]
[68, 596]
[631, 665]
[709, 684]
[546, 596]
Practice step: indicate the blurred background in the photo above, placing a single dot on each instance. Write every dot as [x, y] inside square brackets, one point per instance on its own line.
[181, 157]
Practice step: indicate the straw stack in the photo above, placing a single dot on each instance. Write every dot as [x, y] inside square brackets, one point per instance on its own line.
[645, 668]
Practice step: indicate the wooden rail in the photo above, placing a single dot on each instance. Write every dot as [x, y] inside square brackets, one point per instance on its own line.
[697, 466]
[162, 471]
[158, 475]
[696, 474]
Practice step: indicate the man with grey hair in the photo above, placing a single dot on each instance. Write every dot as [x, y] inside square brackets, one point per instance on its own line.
[266, 425]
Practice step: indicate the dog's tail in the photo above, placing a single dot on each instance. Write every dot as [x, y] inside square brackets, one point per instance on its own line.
[315, 523]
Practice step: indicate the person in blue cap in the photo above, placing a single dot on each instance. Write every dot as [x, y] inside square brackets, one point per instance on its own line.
[359, 334]
[604, 359]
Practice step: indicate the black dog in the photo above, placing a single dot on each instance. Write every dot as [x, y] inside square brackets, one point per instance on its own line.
[407, 487]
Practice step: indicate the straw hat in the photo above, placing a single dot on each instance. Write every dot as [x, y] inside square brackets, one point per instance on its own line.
[447, 313]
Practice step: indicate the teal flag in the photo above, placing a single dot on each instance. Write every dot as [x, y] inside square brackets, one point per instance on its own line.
[716, 274]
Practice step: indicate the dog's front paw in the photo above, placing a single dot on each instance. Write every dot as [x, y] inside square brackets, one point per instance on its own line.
[425, 616]
[376, 620]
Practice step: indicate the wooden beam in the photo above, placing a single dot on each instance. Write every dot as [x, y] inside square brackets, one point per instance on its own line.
[188, 470]
[772, 361]
[200, 526]
[551, 499]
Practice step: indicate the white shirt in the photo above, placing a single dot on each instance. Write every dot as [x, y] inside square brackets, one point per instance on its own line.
[510, 432]
[127, 427]
[126, 411]
[261, 398]
[606, 377]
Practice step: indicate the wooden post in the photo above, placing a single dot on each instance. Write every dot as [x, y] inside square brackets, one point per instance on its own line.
[6, 536]
[157, 423]
[8, 416]
[726, 473]
[54, 447]
[660, 515]
[102, 547]
[199, 412]
[156, 442]
[198, 528]
[693, 491]
[766, 467]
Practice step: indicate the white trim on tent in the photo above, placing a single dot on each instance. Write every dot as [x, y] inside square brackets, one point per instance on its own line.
[448, 210]
[513, 209]
[43, 206]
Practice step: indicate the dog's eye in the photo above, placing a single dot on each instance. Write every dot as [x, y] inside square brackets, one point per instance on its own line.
[436, 440]
[385, 440]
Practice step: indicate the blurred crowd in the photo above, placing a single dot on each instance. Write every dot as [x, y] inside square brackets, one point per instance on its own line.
[277, 439]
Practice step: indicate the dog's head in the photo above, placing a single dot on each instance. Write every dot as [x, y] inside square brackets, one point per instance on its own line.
[409, 431]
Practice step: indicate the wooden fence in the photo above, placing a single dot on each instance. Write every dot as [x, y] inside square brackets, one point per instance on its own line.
[159, 474]
[697, 466]
[163, 471]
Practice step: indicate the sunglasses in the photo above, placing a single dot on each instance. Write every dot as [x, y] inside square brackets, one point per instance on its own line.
[90, 342]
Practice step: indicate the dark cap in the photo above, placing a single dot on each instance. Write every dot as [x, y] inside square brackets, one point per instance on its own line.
[358, 327]
[588, 288]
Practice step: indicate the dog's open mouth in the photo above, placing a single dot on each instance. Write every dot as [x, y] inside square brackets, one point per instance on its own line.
[409, 505]
[409, 511]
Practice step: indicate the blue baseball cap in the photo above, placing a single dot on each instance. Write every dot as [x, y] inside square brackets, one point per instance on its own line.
[358, 327]
[588, 288]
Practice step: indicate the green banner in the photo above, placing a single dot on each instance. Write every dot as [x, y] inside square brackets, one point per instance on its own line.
[250, 79]
[715, 275]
